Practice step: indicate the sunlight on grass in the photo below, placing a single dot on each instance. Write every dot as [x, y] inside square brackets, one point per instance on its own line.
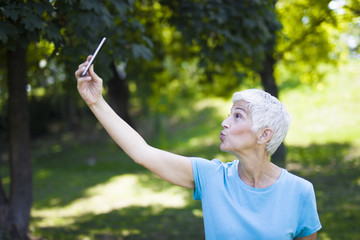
[119, 192]
[323, 236]
[327, 112]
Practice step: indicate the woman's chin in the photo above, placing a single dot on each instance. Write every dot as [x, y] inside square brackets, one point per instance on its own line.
[223, 147]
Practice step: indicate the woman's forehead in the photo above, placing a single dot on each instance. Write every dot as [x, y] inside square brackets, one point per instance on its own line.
[241, 103]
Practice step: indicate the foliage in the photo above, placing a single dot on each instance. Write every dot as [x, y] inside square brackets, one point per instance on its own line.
[197, 51]
[231, 37]
[227, 43]
[226, 31]
[23, 22]
[206, 47]
[85, 23]
[59, 36]
[75, 27]
[312, 35]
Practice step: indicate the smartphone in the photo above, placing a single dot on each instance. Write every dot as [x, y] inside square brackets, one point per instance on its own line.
[93, 56]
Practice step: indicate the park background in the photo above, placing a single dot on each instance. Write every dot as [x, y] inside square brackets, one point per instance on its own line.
[169, 69]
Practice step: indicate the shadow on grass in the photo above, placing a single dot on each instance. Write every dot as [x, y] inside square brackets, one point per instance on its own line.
[334, 169]
[132, 223]
[66, 166]
[65, 174]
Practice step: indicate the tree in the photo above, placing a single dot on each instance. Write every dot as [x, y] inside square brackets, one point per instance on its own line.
[21, 23]
[74, 27]
[308, 40]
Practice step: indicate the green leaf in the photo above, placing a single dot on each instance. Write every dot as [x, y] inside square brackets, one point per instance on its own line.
[148, 41]
[139, 50]
[43, 7]
[107, 18]
[6, 30]
[90, 5]
[52, 32]
[120, 6]
[11, 13]
[137, 25]
[32, 21]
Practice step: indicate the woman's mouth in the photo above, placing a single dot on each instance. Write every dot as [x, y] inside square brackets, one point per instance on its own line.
[222, 136]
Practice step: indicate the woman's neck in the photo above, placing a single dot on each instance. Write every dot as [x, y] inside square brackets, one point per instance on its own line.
[257, 171]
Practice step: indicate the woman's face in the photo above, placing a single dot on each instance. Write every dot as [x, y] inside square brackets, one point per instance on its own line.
[237, 136]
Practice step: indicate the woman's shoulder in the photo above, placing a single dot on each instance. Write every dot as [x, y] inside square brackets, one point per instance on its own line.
[297, 182]
[213, 162]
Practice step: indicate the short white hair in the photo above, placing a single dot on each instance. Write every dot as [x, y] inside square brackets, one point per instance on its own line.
[266, 112]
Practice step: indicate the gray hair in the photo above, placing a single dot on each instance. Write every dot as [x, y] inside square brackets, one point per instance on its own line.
[266, 112]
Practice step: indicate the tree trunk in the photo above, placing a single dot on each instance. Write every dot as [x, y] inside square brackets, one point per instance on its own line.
[267, 75]
[119, 94]
[16, 208]
[268, 82]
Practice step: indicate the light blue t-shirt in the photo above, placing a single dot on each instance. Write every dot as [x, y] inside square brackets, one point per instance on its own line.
[234, 210]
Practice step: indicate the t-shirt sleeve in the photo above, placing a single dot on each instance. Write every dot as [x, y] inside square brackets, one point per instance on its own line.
[203, 171]
[309, 217]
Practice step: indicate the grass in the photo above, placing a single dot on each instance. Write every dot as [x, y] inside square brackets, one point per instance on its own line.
[86, 188]
[94, 191]
[327, 111]
[324, 148]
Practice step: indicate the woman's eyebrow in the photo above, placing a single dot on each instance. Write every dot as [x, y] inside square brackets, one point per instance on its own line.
[240, 108]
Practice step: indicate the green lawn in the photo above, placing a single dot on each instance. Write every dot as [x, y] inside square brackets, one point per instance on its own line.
[86, 188]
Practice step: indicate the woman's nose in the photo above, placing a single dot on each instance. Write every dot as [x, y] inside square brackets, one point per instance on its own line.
[225, 123]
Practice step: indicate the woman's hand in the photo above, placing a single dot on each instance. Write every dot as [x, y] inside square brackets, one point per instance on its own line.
[90, 85]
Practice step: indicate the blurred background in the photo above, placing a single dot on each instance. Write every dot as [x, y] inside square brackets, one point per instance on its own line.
[169, 69]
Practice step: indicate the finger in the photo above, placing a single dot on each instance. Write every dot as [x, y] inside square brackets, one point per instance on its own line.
[81, 79]
[79, 71]
[86, 62]
[83, 64]
[84, 79]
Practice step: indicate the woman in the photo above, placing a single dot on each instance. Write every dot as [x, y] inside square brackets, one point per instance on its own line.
[248, 198]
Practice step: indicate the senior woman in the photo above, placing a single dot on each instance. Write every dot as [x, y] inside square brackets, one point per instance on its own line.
[248, 198]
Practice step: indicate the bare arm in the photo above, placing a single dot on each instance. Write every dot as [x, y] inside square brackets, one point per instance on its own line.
[170, 167]
[310, 237]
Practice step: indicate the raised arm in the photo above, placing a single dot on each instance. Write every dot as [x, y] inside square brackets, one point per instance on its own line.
[171, 167]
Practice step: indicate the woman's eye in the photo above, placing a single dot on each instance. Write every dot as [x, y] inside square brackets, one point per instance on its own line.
[238, 115]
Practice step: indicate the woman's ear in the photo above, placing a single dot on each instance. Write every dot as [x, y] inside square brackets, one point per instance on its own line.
[264, 135]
